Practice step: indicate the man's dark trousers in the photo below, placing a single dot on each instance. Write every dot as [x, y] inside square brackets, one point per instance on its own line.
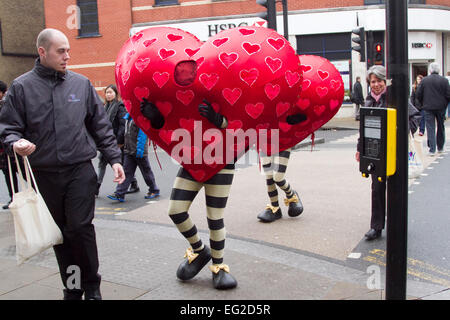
[70, 196]
[435, 137]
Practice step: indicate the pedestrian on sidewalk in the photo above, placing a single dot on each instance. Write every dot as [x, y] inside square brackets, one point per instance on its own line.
[4, 156]
[54, 117]
[135, 155]
[434, 95]
[418, 105]
[448, 105]
[357, 97]
[275, 167]
[376, 77]
[186, 188]
[116, 113]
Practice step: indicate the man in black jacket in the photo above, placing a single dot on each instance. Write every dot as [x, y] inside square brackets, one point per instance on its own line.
[434, 94]
[357, 96]
[55, 117]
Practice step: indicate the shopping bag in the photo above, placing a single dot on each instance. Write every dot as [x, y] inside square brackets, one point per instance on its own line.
[415, 165]
[35, 229]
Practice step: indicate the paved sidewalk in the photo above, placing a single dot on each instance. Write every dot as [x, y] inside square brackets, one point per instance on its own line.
[138, 261]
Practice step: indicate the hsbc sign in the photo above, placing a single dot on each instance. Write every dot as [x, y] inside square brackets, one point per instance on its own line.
[427, 45]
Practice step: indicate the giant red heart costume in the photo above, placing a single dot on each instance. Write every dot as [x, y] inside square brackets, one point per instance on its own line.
[321, 97]
[251, 75]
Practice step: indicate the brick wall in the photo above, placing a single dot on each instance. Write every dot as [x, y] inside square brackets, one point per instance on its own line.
[114, 18]
[21, 21]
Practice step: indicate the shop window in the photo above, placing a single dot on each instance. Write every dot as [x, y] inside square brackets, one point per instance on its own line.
[335, 46]
[159, 3]
[88, 18]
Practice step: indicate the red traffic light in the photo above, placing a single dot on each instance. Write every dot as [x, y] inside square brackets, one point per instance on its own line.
[378, 47]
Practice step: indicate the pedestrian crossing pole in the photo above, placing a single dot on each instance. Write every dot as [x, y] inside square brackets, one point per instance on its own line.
[397, 185]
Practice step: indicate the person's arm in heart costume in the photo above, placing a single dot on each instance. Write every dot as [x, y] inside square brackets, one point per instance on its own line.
[295, 118]
[151, 112]
[206, 110]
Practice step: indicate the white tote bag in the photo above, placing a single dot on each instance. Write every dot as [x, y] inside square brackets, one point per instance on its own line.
[415, 165]
[35, 229]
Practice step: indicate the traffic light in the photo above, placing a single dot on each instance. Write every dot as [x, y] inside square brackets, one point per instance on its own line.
[360, 40]
[378, 53]
[271, 14]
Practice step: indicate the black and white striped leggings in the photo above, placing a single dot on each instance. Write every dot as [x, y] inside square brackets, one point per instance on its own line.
[217, 190]
[275, 169]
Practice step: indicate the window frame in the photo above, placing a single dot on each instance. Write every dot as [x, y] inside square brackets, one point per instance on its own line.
[84, 33]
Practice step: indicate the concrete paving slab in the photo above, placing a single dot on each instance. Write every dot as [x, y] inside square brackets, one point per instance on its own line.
[33, 291]
[20, 276]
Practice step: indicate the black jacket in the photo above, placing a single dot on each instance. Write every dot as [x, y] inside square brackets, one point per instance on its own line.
[136, 142]
[116, 112]
[414, 100]
[357, 95]
[433, 92]
[61, 114]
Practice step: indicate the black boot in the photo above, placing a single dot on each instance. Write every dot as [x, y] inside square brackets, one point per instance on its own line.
[98, 189]
[295, 205]
[221, 277]
[133, 187]
[372, 234]
[269, 215]
[93, 294]
[73, 294]
[193, 264]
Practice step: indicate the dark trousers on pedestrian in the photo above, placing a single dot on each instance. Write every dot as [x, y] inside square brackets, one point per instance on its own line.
[377, 220]
[102, 164]
[422, 122]
[433, 119]
[70, 197]
[130, 164]
[8, 180]
[357, 111]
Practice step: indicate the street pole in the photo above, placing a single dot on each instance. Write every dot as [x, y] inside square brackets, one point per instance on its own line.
[397, 185]
[285, 19]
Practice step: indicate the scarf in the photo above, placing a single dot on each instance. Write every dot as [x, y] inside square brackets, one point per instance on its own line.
[377, 97]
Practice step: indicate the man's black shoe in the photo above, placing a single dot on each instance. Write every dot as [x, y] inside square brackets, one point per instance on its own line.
[295, 205]
[270, 214]
[74, 294]
[372, 234]
[221, 277]
[92, 294]
[133, 188]
[193, 263]
[6, 206]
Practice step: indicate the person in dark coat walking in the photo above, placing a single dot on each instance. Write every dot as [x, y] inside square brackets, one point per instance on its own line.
[116, 113]
[135, 155]
[357, 96]
[417, 104]
[434, 95]
[54, 117]
[4, 156]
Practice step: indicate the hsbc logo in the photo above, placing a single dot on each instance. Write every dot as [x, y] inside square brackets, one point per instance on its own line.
[427, 45]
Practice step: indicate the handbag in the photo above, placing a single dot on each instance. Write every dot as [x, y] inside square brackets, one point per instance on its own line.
[35, 229]
[415, 165]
